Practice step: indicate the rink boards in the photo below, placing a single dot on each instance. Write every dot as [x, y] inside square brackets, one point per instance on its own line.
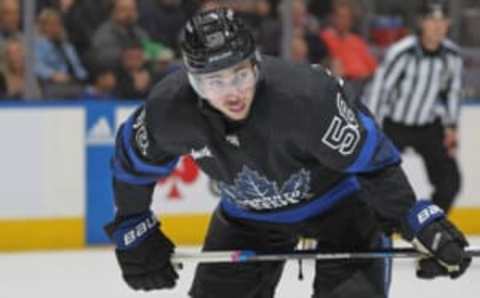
[55, 175]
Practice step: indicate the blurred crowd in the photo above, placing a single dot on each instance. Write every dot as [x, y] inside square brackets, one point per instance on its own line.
[117, 49]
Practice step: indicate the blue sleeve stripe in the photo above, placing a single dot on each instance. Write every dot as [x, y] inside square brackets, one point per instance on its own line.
[368, 148]
[365, 160]
[137, 163]
[123, 175]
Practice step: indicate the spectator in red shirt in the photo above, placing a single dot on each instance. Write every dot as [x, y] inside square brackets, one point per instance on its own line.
[349, 53]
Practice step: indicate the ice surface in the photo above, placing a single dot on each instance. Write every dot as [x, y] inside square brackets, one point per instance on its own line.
[93, 273]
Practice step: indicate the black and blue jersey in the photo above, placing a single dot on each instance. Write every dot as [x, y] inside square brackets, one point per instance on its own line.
[304, 147]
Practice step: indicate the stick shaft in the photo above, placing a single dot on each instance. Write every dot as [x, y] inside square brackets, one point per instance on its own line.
[238, 256]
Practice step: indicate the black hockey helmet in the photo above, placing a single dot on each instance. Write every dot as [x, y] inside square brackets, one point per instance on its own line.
[434, 8]
[215, 39]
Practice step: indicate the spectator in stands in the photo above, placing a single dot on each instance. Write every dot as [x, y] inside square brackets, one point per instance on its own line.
[56, 60]
[321, 9]
[118, 31]
[350, 56]
[304, 24]
[299, 49]
[12, 76]
[133, 76]
[255, 14]
[81, 19]
[103, 84]
[9, 20]
[162, 63]
[162, 19]
[61, 5]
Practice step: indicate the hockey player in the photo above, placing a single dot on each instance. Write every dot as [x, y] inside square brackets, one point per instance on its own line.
[293, 157]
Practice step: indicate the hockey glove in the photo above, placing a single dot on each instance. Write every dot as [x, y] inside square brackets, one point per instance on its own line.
[433, 234]
[143, 252]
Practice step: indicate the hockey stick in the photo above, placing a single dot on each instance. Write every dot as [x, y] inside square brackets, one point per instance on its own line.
[237, 256]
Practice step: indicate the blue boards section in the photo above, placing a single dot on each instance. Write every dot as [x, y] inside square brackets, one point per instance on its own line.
[100, 133]
[99, 203]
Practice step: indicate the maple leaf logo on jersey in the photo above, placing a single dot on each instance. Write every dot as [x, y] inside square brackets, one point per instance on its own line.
[253, 191]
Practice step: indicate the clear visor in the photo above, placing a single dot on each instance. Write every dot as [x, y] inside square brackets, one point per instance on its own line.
[234, 79]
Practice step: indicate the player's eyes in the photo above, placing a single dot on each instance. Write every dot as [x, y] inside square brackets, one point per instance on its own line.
[215, 84]
[243, 75]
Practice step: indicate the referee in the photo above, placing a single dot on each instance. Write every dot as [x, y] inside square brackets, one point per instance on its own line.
[416, 94]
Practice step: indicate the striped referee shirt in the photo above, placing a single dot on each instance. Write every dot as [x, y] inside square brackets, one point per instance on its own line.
[413, 87]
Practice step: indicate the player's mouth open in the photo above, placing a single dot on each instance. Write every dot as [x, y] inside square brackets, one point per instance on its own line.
[237, 106]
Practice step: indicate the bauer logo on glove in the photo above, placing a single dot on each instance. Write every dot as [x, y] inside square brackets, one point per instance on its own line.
[133, 230]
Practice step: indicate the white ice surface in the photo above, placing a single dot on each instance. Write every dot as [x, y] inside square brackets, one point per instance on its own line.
[93, 273]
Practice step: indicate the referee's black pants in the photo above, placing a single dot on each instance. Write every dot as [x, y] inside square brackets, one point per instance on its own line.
[442, 169]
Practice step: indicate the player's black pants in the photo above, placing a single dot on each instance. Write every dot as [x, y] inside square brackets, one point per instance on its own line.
[350, 227]
[442, 169]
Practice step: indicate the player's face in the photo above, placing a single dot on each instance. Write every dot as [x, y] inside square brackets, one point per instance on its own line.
[230, 91]
[434, 29]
